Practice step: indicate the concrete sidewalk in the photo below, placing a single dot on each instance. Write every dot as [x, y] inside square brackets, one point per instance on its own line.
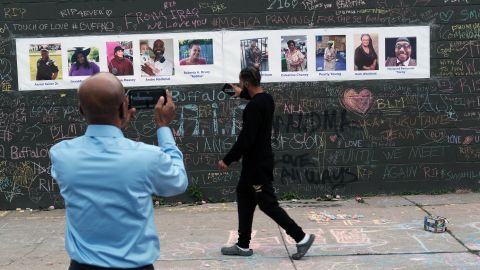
[382, 233]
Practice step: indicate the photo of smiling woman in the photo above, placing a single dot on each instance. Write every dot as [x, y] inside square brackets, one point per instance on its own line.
[366, 57]
[294, 53]
[196, 52]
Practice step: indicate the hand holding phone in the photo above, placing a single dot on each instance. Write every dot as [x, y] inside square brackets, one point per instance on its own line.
[231, 90]
[164, 111]
[228, 89]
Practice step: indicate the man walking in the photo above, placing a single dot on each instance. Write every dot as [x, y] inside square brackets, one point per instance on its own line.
[253, 145]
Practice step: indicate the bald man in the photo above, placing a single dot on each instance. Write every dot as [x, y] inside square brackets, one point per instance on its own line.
[107, 180]
[159, 66]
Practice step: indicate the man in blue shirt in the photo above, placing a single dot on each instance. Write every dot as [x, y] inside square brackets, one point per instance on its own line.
[107, 180]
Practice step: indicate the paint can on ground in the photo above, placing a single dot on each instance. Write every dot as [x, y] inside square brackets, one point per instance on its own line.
[435, 224]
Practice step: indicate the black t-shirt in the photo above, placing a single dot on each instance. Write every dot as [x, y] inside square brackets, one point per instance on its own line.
[254, 143]
[45, 69]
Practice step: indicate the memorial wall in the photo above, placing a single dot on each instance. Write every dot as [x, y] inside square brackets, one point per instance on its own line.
[372, 97]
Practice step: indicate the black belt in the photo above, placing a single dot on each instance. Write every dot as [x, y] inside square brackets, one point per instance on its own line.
[80, 266]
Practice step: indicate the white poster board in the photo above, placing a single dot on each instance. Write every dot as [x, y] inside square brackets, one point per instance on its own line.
[346, 49]
[37, 74]
[373, 53]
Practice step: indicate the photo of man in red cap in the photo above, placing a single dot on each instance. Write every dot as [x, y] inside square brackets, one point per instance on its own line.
[119, 65]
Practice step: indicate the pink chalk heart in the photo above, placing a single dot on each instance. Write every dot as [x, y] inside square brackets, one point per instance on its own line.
[360, 102]
[333, 138]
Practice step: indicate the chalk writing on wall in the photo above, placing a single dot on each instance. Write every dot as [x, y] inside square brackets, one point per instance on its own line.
[336, 137]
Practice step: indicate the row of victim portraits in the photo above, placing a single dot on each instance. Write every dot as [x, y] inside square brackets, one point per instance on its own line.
[216, 57]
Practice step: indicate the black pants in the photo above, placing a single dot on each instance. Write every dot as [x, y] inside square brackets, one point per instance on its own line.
[248, 196]
[79, 266]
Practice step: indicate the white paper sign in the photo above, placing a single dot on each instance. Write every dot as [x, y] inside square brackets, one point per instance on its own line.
[373, 53]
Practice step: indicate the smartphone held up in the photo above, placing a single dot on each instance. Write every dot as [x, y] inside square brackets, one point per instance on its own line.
[228, 89]
[141, 99]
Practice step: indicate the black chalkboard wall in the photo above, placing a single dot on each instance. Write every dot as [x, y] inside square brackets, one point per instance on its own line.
[418, 135]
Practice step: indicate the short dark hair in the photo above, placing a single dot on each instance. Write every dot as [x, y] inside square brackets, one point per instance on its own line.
[193, 43]
[291, 41]
[251, 74]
